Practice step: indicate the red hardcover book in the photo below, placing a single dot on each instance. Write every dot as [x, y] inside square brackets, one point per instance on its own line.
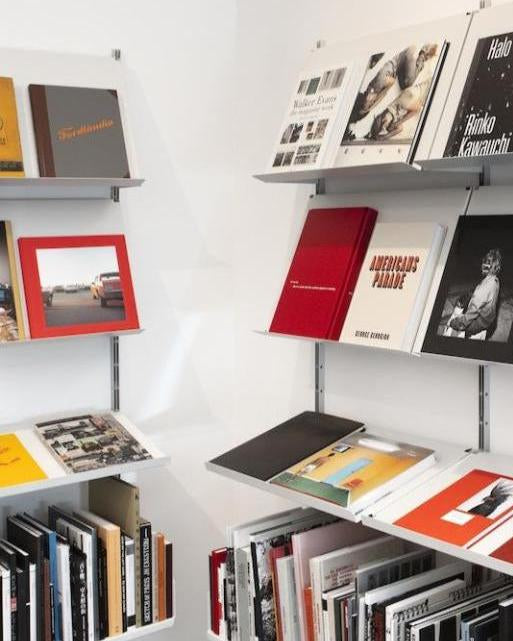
[323, 274]
[216, 559]
[274, 554]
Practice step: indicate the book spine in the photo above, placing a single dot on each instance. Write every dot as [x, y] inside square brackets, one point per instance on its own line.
[124, 619]
[309, 622]
[145, 573]
[315, 580]
[101, 562]
[505, 622]
[169, 580]
[130, 582]
[46, 601]
[137, 565]
[6, 606]
[79, 596]
[42, 134]
[161, 576]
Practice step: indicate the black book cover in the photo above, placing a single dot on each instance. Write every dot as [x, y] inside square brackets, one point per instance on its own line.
[282, 446]
[482, 125]
[8, 558]
[124, 618]
[78, 132]
[103, 607]
[78, 570]
[472, 316]
[169, 580]
[146, 572]
[23, 591]
[25, 537]
[506, 620]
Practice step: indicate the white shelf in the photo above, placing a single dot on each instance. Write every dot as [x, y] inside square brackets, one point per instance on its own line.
[25, 341]
[447, 455]
[144, 630]
[63, 188]
[214, 637]
[57, 476]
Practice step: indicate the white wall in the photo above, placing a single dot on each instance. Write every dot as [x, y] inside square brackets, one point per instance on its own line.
[209, 247]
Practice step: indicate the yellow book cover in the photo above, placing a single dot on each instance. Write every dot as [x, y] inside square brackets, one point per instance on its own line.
[16, 464]
[350, 469]
[11, 156]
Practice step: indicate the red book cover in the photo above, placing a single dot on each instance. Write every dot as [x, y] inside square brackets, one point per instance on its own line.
[274, 554]
[323, 274]
[216, 559]
[475, 512]
[309, 620]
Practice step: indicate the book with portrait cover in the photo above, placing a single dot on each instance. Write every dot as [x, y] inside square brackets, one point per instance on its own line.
[323, 273]
[472, 316]
[483, 122]
[12, 325]
[11, 156]
[390, 295]
[313, 115]
[89, 442]
[78, 132]
[356, 470]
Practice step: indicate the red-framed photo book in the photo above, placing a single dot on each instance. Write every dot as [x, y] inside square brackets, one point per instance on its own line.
[77, 285]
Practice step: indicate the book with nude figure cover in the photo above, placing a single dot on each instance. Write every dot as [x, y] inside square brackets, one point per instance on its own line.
[356, 470]
[472, 316]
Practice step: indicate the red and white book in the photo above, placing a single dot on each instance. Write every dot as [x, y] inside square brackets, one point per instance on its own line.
[217, 559]
[323, 273]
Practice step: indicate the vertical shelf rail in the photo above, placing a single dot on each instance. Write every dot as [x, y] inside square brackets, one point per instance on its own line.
[114, 191]
[114, 369]
[484, 408]
[319, 376]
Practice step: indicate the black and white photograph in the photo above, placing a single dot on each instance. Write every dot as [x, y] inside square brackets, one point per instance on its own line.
[89, 442]
[491, 502]
[392, 95]
[80, 285]
[473, 312]
[483, 124]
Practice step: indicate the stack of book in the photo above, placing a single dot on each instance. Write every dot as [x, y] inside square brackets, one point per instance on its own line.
[304, 576]
[84, 575]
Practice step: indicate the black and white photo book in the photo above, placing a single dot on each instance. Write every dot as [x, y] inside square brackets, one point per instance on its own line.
[472, 316]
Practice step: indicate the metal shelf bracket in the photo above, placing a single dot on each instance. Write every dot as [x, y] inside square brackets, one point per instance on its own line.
[114, 369]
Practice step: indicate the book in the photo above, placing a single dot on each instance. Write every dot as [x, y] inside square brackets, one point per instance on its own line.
[356, 471]
[78, 132]
[12, 322]
[91, 441]
[8, 559]
[472, 316]
[110, 535]
[124, 616]
[481, 125]
[130, 580]
[337, 568]
[313, 115]
[31, 540]
[17, 464]
[64, 588]
[103, 592]
[280, 447]
[309, 544]
[23, 605]
[390, 295]
[145, 574]
[118, 501]
[11, 156]
[169, 580]
[79, 601]
[323, 272]
[5, 584]
[84, 537]
[289, 616]
[217, 557]
[275, 554]
[506, 620]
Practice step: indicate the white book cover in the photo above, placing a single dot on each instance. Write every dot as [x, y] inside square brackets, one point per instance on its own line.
[399, 613]
[221, 576]
[33, 602]
[333, 609]
[64, 596]
[393, 285]
[313, 113]
[130, 581]
[5, 577]
[338, 568]
[288, 600]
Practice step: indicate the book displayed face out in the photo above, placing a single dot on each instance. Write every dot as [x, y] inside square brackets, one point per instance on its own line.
[483, 122]
[392, 96]
[77, 285]
[472, 316]
[78, 132]
[11, 315]
[11, 158]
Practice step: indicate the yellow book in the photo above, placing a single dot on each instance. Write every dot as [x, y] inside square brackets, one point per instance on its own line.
[16, 464]
[11, 156]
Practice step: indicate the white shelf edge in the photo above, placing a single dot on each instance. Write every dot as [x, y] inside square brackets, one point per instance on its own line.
[63, 188]
[28, 340]
[82, 477]
[144, 630]
[214, 637]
